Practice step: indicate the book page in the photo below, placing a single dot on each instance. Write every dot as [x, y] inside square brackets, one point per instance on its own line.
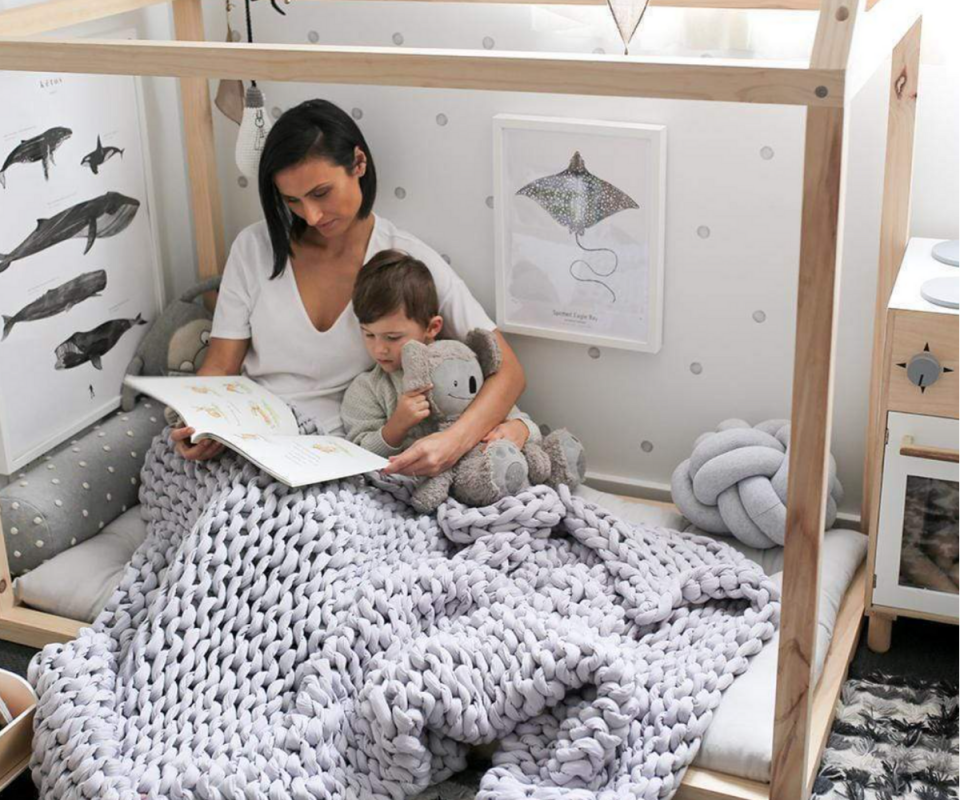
[221, 405]
[301, 460]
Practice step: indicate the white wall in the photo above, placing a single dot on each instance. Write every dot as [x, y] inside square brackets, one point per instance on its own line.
[715, 175]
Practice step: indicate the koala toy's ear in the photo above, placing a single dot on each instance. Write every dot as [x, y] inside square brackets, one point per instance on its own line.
[415, 358]
[484, 344]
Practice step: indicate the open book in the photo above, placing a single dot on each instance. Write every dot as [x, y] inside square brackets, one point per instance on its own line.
[260, 426]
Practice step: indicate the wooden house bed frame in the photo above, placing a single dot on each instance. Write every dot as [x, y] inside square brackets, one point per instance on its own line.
[853, 38]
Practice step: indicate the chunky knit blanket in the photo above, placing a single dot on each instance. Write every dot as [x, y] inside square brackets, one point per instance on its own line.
[330, 643]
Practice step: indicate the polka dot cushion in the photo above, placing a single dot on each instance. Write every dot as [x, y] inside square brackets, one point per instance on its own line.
[73, 492]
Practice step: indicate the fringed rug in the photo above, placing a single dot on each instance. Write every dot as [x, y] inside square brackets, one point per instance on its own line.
[892, 739]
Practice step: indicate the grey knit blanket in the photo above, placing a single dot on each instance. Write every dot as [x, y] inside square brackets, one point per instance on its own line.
[330, 643]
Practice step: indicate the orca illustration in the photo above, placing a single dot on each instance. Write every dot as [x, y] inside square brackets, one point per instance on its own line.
[95, 158]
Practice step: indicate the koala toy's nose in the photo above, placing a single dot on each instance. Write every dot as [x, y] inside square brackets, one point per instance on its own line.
[473, 385]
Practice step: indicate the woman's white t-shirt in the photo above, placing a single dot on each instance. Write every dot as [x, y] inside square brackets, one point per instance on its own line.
[309, 368]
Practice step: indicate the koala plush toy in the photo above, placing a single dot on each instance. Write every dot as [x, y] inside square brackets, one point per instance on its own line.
[176, 343]
[488, 472]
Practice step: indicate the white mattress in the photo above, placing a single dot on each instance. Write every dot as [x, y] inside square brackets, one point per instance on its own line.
[739, 740]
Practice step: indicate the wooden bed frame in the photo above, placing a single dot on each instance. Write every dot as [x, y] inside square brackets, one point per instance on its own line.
[870, 29]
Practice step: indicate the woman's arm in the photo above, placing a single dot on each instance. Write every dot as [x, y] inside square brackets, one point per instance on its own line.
[224, 357]
[438, 452]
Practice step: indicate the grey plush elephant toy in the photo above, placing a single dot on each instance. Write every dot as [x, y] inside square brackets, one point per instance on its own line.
[487, 473]
[176, 343]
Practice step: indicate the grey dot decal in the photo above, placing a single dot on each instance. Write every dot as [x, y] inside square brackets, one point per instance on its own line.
[276, 111]
[14, 531]
[488, 43]
[766, 153]
[703, 232]
[400, 192]
[696, 367]
[646, 446]
[357, 113]
[599, 51]
[398, 39]
[759, 316]
[594, 352]
[235, 36]
[313, 37]
[242, 182]
[489, 201]
[442, 120]
[545, 429]
[446, 258]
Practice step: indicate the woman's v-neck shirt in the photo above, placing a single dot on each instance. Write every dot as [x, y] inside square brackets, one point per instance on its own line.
[309, 368]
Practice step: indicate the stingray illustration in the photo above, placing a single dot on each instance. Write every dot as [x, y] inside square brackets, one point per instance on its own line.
[59, 300]
[104, 216]
[90, 346]
[578, 199]
[95, 158]
[39, 148]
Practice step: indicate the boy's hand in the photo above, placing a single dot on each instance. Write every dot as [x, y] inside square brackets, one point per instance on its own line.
[513, 429]
[412, 408]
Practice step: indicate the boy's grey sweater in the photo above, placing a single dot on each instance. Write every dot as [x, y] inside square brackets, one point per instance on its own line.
[371, 400]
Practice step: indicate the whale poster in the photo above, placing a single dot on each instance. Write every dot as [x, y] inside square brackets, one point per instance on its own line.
[79, 273]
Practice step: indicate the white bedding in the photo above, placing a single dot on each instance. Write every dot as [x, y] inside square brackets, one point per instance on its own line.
[739, 741]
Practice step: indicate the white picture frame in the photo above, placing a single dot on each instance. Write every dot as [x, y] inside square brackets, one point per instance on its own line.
[913, 590]
[30, 429]
[579, 229]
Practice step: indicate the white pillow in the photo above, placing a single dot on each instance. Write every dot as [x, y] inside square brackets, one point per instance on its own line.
[78, 582]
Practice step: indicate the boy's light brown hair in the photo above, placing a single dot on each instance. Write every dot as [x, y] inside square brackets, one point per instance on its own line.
[395, 281]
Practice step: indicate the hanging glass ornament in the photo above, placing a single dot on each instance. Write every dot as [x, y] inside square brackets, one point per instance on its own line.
[627, 14]
[254, 128]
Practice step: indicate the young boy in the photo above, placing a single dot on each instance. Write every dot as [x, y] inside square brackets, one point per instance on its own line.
[395, 301]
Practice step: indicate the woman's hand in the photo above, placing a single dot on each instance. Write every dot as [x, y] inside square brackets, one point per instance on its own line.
[513, 429]
[428, 456]
[201, 451]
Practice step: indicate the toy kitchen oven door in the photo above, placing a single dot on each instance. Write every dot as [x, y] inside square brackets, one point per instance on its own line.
[917, 542]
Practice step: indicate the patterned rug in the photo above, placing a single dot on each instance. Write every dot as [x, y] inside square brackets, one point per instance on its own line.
[892, 739]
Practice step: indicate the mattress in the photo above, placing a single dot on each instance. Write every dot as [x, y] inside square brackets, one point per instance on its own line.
[739, 740]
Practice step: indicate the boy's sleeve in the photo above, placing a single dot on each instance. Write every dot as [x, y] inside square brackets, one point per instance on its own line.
[535, 435]
[364, 415]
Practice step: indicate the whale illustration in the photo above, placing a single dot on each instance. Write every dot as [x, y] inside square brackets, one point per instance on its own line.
[95, 158]
[90, 346]
[58, 300]
[39, 148]
[104, 216]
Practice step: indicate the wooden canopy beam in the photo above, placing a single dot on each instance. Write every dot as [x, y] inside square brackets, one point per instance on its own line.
[741, 81]
[56, 14]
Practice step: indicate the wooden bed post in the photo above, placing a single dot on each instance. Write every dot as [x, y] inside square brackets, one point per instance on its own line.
[201, 149]
[894, 234]
[811, 413]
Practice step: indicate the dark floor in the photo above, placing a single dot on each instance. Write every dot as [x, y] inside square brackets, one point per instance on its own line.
[920, 650]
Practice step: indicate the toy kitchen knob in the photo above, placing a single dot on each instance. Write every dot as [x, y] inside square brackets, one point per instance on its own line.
[923, 370]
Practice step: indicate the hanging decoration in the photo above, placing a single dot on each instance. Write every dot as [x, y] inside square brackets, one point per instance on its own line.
[255, 124]
[229, 100]
[627, 14]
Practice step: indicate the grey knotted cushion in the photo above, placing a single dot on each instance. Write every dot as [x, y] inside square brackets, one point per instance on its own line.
[328, 643]
[735, 482]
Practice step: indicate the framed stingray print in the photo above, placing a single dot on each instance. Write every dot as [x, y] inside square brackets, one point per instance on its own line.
[579, 230]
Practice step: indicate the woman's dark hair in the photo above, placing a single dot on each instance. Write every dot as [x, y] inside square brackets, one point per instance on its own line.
[313, 129]
[395, 281]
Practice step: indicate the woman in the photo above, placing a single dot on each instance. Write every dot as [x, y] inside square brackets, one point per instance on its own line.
[284, 315]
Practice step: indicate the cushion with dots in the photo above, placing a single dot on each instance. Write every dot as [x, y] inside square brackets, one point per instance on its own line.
[101, 560]
[70, 494]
